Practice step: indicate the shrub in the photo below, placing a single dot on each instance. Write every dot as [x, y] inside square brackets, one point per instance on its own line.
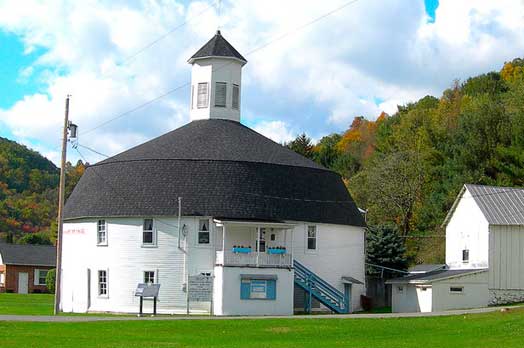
[50, 280]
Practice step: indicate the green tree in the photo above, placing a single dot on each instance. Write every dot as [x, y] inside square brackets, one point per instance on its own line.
[50, 280]
[302, 145]
[385, 247]
[35, 238]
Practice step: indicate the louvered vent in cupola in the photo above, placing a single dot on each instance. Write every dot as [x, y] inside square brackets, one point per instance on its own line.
[220, 94]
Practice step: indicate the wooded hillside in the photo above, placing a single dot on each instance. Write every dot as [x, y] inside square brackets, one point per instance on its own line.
[408, 168]
[28, 193]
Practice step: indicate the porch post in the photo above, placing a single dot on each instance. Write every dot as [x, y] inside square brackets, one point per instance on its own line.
[258, 243]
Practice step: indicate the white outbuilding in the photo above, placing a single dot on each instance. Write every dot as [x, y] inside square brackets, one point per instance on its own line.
[484, 256]
[222, 218]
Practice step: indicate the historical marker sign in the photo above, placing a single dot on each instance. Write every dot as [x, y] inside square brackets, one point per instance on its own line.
[200, 288]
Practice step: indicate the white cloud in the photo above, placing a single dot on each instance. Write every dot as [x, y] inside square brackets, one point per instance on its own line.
[316, 78]
[275, 130]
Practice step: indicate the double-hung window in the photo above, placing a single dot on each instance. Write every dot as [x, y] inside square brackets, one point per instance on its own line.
[148, 233]
[149, 277]
[102, 283]
[312, 238]
[220, 94]
[101, 234]
[236, 97]
[203, 231]
[202, 95]
[40, 276]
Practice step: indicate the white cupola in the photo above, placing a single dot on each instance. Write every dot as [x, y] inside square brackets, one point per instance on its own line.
[216, 81]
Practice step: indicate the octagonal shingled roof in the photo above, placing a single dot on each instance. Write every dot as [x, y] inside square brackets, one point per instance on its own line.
[218, 47]
[220, 168]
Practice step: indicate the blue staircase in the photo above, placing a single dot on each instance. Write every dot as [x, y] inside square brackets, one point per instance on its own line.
[316, 287]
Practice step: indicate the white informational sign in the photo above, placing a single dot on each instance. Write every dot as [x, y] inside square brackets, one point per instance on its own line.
[200, 288]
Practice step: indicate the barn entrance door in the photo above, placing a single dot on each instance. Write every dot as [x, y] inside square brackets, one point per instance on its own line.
[23, 283]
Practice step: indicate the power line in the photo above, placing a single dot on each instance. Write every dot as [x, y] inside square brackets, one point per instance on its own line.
[264, 45]
[92, 150]
[163, 36]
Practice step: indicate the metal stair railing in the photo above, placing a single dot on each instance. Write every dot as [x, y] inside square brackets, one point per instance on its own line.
[320, 289]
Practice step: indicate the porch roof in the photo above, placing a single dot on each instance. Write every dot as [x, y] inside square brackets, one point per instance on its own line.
[239, 222]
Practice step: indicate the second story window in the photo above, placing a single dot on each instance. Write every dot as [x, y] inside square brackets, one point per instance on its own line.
[465, 255]
[203, 231]
[312, 238]
[236, 97]
[202, 95]
[220, 94]
[101, 235]
[148, 233]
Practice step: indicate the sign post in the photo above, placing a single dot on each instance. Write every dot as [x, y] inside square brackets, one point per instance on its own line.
[147, 291]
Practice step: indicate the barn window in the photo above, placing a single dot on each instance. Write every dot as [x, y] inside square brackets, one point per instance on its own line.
[312, 238]
[149, 277]
[236, 97]
[465, 255]
[148, 233]
[220, 94]
[456, 289]
[101, 232]
[102, 283]
[203, 231]
[202, 97]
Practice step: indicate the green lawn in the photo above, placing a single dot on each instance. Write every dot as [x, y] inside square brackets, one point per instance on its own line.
[480, 330]
[32, 304]
[497, 329]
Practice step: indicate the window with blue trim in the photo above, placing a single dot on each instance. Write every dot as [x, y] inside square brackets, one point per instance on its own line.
[258, 289]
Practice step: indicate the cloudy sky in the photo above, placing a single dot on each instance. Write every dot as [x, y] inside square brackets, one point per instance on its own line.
[359, 58]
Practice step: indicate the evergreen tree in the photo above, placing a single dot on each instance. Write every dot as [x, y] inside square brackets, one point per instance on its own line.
[385, 247]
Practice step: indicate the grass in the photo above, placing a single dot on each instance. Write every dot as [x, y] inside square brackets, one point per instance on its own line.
[497, 330]
[33, 304]
[480, 330]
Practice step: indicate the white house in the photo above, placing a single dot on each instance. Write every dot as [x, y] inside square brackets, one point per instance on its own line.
[484, 255]
[275, 230]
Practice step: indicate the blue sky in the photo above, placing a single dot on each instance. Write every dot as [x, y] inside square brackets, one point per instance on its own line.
[365, 58]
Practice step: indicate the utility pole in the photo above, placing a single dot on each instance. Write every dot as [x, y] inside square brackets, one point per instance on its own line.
[61, 197]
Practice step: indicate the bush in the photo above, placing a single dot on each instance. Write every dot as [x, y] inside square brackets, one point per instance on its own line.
[50, 280]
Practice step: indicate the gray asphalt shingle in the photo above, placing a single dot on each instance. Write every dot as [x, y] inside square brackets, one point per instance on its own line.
[30, 255]
[219, 168]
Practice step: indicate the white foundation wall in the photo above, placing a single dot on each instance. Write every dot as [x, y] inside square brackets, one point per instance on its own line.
[340, 252]
[475, 294]
[467, 229]
[227, 292]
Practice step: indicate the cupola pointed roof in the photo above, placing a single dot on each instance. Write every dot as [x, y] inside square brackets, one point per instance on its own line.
[217, 47]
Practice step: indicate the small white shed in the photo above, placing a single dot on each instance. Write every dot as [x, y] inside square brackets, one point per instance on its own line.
[440, 290]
